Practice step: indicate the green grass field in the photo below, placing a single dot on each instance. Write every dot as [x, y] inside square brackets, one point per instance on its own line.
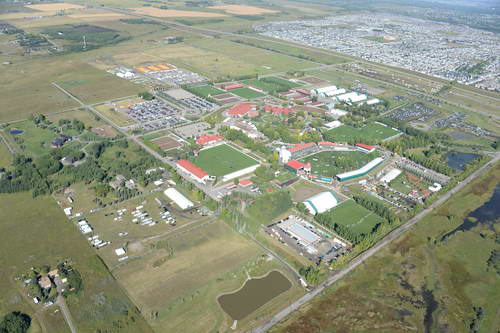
[35, 232]
[5, 155]
[222, 160]
[272, 84]
[246, 93]
[357, 218]
[205, 91]
[371, 131]
[35, 140]
[330, 163]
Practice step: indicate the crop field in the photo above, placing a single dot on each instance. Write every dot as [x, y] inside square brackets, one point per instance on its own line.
[436, 283]
[157, 12]
[246, 93]
[371, 131]
[330, 163]
[177, 283]
[244, 10]
[206, 91]
[56, 6]
[355, 217]
[47, 238]
[228, 160]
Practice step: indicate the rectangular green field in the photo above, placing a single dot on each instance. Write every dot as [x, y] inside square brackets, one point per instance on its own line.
[5, 155]
[205, 91]
[222, 160]
[357, 218]
[330, 163]
[272, 84]
[246, 93]
[370, 131]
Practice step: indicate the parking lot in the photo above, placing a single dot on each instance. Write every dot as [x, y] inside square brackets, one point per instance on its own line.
[417, 111]
[155, 114]
[176, 76]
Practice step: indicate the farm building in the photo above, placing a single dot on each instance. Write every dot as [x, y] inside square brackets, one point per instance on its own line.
[361, 171]
[390, 176]
[194, 171]
[208, 139]
[352, 97]
[365, 148]
[179, 199]
[373, 101]
[298, 167]
[299, 232]
[321, 202]
[240, 110]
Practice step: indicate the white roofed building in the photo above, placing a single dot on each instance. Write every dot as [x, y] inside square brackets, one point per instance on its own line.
[390, 176]
[179, 199]
[321, 202]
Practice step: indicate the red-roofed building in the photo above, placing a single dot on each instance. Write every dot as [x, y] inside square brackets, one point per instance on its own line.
[253, 114]
[208, 139]
[277, 111]
[327, 143]
[301, 146]
[245, 182]
[194, 171]
[233, 86]
[298, 167]
[239, 110]
[365, 148]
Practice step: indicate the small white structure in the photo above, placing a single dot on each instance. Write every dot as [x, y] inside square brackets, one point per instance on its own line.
[285, 155]
[373, 101]
[390, 176]
[179, 199]
[120, 251]
[333, 124]
[321, 202]
[337, 113]
[435, 187]
[68, 210]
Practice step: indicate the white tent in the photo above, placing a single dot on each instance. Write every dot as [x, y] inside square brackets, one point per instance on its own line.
[321, 202]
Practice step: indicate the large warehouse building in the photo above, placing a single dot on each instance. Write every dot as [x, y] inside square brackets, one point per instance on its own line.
[194, 171]
[179, 199]
[361, 171]
[321, 202]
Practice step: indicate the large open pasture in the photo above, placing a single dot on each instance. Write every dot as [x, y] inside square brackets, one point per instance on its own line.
[227, 158]
[37, 234]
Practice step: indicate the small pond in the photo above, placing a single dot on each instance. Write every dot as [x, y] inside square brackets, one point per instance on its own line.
[458, 161]
[254, 293]
[16, 131]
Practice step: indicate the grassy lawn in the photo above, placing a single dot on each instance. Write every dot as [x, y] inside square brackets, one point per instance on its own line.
[272, 84]
[454, 271]
[41, 235]
[227, 159]
[357, 218]
[246, 93]
[36, 140]
[205, 91]
[5, 155]
[370, 131]
[331, 163]
[401, 184]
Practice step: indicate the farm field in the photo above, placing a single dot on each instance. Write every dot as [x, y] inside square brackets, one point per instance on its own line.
[436, 283]
[371, 131]
[54, 6]
[157, 12]
[39, 229]
[228, 160]
[244, 10]
[205, 91]
[358, 219]
[246, 93]
[207, 269]
[330, 163]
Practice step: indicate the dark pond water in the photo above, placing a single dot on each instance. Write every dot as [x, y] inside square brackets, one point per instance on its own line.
[431, 305]
[254, 294]
[16, 131]
[458, 161]
[488, 213]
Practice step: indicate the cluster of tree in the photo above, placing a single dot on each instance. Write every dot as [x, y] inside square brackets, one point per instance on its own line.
[23, 176]
[278, 132]
[430, 163]
[494, 260]
[269, 206]
[328, 220]
[74, 124]
[75, 281]
[378, 208]
[311, 274]
[95, 37]
[139, 21]
[15, 322]
[235, 135]
[31, 40]
[146, 95]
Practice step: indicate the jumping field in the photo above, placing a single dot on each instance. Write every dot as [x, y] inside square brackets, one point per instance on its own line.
[222, 160]
[371, 131]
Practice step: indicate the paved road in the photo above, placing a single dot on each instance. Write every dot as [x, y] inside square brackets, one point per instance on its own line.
[61, 301]
[364, 256]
